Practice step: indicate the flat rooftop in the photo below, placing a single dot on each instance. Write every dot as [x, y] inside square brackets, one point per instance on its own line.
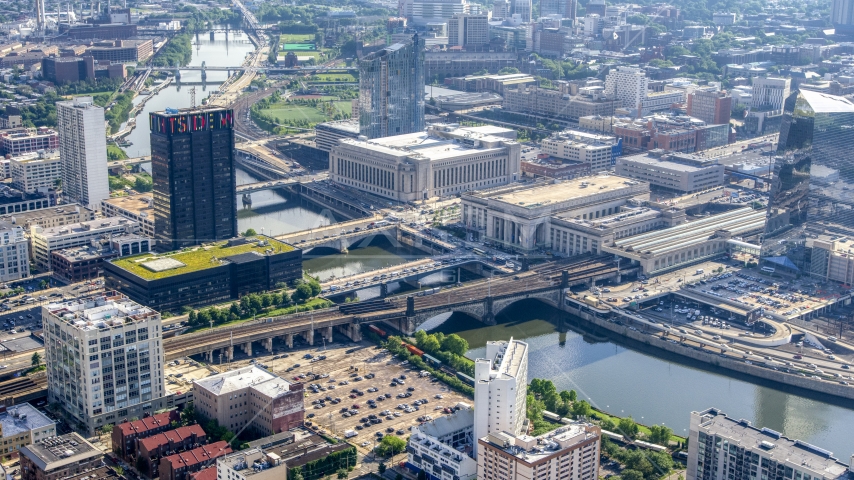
[35, 157]
[532, 449]
[136, 204]
[55, 452]
[84, 227]
[514, 354]
[556, 192]
[251, 376]
[441, 143]
[101, 311]
[152, 267]
[447, 424]
[805, 456]
[740, 221]
[21, 418]
[645, 159]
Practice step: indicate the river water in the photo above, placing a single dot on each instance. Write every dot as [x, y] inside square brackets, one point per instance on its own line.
[651, 387]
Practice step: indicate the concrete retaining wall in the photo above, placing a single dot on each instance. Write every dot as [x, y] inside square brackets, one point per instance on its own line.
[736, 365]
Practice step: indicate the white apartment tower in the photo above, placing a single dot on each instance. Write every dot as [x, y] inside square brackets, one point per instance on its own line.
[628, 85]
[500, 389]
[770, 92]
[14, 255]
[104, 357]
[83, 149]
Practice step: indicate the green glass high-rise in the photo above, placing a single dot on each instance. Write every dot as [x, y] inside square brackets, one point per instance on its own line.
[810, 224]
[391, 90]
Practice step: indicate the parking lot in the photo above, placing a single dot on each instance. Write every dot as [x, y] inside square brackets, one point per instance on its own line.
[343, 389]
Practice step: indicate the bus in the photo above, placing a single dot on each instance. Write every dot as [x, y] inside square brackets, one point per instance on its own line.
[478, 251]
[768, 269]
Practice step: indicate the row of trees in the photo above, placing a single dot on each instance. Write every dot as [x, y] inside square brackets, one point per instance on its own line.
[179, 51]
[449, 349]
[254, 304]
[395, 346]
[639, 464]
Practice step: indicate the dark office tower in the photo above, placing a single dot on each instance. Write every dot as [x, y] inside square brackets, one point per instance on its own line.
[192, 165]
[811, 211]
[391, 90]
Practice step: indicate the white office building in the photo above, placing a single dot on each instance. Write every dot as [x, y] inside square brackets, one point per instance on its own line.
[500, 389]
[628, 85]
[769, 92]
[721, 448]
[34, 170]
[104, 358]
[14, 254]
[83, 149]
[442, 160]
[442, 448]
[599, 151]
[468, 30]
[46, 240]
[422, 12]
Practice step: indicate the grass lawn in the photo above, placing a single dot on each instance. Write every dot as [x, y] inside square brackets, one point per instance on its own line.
[117, 152]
[642, 428]
[296, 112]
[302, 53]
[344, 106]
[296, 38]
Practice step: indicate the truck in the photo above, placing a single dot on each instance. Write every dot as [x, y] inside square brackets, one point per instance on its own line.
[700, 271]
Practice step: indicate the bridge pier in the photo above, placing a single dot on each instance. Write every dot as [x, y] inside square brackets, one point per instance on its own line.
[384, 291]
[289, 340]
[268, 344]
[488, 313]
[229, 353]
[329, 334]
[247, 348]
[309, 336]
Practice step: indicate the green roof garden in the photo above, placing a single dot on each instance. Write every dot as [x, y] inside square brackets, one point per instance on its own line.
[152, 266]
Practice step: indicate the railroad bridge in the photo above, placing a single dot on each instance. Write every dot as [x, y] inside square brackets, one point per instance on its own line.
[483, 300]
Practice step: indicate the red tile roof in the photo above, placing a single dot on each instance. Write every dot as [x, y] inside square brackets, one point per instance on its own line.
[208, 473]
[175, 436]
[198, 455]
[143, 425]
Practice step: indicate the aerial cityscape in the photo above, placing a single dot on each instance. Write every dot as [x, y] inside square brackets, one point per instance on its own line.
[427, 240]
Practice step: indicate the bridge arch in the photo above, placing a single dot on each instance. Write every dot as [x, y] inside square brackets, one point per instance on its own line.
[551, 299]
[454, 317]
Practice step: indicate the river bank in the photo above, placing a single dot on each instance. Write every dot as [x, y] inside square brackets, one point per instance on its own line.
[627, 378]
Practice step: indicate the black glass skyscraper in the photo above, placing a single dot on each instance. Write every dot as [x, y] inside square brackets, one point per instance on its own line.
[192, 165]
[811, 207]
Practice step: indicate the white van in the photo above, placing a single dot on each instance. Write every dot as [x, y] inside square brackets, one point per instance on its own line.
[350, 433]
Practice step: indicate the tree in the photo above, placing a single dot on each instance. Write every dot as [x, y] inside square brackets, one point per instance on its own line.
[315, 287]
[631, 475]
[660, 434]
[381, 468]
[250, 232]
[43, 284]
[455, 344]
[581, 409]
[391, 445]
[36, 359]
[342, 473]
[142, 465]
[628, 427]
[508, 71]
[573, 396]
[302, 293]
[188, 414]
[297, 475]
[565, 396]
